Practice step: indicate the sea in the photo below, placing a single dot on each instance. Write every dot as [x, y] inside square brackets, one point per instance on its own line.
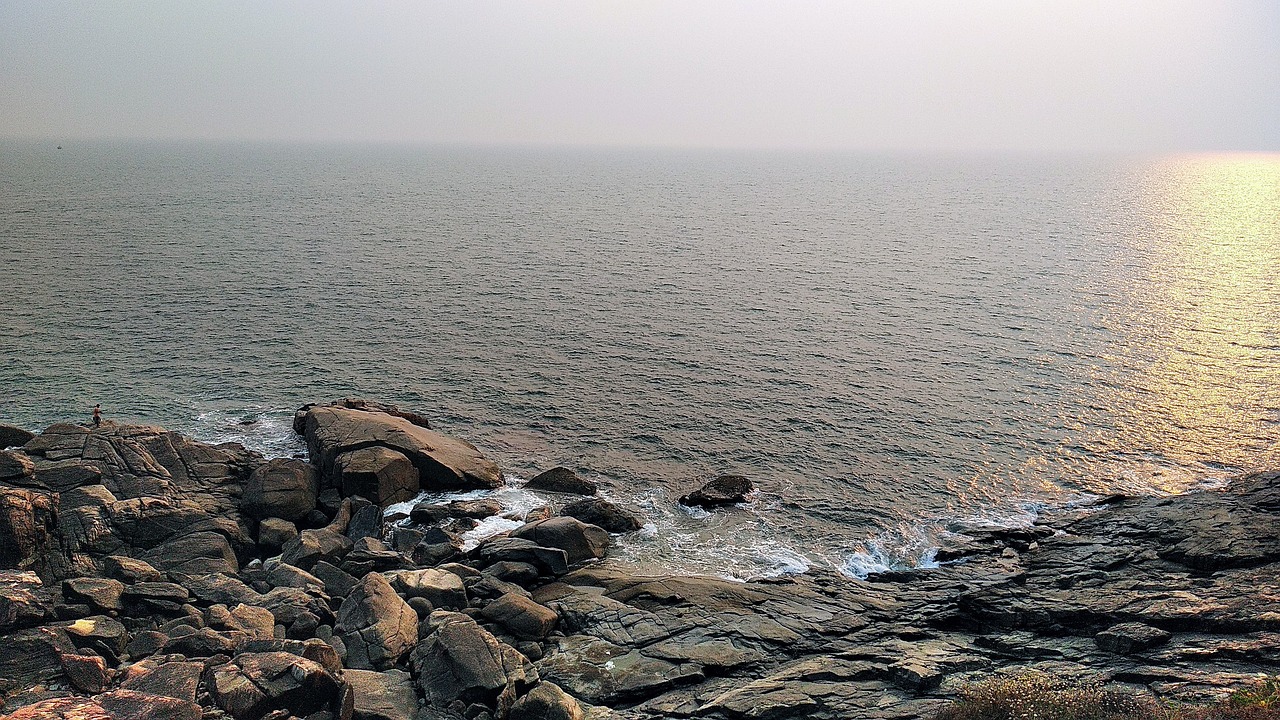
[888, 346]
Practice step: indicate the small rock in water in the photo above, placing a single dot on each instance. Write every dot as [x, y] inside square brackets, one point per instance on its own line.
[724, 490]
[562, 480]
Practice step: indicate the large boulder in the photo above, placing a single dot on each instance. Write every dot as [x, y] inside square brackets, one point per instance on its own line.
[443, 589]
[312, 546]
[284, 488]
[377, 627]
[724, 490]
[379, 474]
[579, 540]
[546, 702]
[459, 660]
[602, 513]
[561, 480]
[351, 403]
[442, 462]
[255, 684]
[521, 616]
[11, 436]
[24, 601]
[16, 468]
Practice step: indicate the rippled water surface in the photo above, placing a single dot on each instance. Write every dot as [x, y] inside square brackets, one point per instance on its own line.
[881, 343]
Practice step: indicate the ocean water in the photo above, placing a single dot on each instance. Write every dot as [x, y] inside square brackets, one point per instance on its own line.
[883, 344]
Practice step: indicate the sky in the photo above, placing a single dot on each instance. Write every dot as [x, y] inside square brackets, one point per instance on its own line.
[891, 75]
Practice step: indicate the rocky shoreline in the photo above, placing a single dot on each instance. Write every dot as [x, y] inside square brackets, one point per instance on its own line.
[143, 574]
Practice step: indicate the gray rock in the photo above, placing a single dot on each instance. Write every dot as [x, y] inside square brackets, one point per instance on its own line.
[577, 539]
[274, 533]
[724, 490]
[11, 436]
[552, 561]
[602, 513]
[442, 462]
[562, 480]
[444, 590]
[377, 627]
[254, 684]
[521, 616]
[312, 546]
[601, 672]
[459, 660]
[16, 468]
[282, 488]
[546, 702]
[1128, 638]
[380, 474]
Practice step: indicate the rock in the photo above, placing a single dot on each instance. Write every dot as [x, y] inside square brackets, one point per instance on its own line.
[578, 540]
[724, 490]
[300, 417]
[254, 684]
[197, 553]
[459, 660]
[101, 594]
[11, 436]
[103, 635]
[523, 617]
[87, 673]
[432, 554]
[115, 705]
[382, 695]
[16, 468]
[337, 583]
[553, 561]
[562, 480]
[601, 512]
[377, 627]
[205, 642]
[274, 533]
[442, 462]
[143, 599]
[178, 680]
[546, 702]
[145, 643]
[603, 673]
[66, 475]
[28, 527]
[608, 619]
[366, 523]
[312, 546]
[380, 474]
[1128, 638]
[427, 513]
[24, 602]
[519, 573]
[32, 656]
[282, 488]
[444, 590]
[129, 570]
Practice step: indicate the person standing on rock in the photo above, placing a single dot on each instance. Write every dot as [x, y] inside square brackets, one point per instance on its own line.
[97, 415]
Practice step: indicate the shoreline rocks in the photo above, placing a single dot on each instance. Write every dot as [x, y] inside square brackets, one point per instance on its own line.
[131, 585]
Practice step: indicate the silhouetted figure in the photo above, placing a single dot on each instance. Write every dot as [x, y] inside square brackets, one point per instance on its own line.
[97, 415]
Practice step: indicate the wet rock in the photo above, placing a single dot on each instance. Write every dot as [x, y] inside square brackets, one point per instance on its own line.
[577, 539]
[282, 488]
[380, 474]
[11, 436]
[602, 513]
[385, 695]
[427, 513]
[255, 684]
[724, 490]
[459, 660]
[601, 672]
[366, 523]
[520, 615]
[377, 627]
[552, 561]
[337, 582]
[442, 462]
[562, 480]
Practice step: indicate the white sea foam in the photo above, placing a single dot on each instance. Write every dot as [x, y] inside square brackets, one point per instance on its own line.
[265, 430]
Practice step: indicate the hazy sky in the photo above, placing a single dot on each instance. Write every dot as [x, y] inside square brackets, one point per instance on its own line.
[883, 75]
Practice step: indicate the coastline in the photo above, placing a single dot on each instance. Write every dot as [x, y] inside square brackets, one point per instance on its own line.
[135, 567]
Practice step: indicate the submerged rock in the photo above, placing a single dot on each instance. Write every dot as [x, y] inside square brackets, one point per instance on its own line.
[724, 490]
[562, 480]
